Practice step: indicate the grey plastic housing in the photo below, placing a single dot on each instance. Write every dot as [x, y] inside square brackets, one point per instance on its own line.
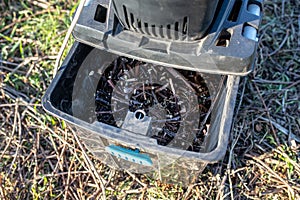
[169, 164]
[171, 19]
[223, 49]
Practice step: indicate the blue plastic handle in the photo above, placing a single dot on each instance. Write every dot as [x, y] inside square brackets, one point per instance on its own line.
[129, 155]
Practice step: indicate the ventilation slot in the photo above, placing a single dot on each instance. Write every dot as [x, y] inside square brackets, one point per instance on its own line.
[177, 30]
[176, 34]
[126, 17]
[169, 31]
[117, 27]
[139, 24]
[185, 26]
[234, 14]
[100, 15]
[161, 31]
[153, 28]
[176, 26]
[146, 28]
[132, 21]
[223, 39]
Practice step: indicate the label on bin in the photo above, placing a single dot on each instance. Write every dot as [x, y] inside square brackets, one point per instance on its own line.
[129, 155]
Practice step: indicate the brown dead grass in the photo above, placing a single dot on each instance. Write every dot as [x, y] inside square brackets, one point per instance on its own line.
[41, 158]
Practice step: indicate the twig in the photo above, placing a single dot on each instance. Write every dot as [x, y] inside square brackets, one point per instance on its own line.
[281, 129]
[271, 82]
[9, 69]
[2, 190]
[8, 63]
[268, 114]
[68, 179]
[282, 43]
[16, 123]
[240, 101]
[136, 179]
[43, 5]
[228, 173]
[90, 165]
[291, 191]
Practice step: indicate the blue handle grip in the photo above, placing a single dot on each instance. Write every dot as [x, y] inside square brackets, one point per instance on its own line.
[129, 155]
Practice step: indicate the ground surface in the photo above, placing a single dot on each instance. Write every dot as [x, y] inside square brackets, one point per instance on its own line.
[41, 159]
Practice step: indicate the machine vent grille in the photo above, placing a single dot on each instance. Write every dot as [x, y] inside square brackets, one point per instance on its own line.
[176, 31]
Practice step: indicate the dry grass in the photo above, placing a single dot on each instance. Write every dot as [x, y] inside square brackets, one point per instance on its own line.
[41, 158]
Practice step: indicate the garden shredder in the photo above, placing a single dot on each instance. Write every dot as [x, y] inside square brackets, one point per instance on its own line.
[150, 86]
